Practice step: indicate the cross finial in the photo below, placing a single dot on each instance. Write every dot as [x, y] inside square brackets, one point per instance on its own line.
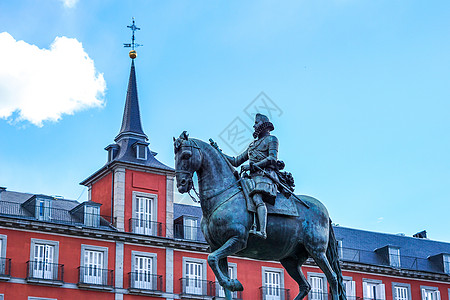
[132, 45]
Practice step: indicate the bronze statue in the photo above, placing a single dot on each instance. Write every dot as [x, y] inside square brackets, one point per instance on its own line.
[262, 154]
[226, 222]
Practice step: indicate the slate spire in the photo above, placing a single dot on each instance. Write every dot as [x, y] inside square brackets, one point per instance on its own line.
[131, 121]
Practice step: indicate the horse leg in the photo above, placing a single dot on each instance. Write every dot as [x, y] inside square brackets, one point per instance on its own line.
[323, 263]
[293, 266]
[233, 245]
[223, 265]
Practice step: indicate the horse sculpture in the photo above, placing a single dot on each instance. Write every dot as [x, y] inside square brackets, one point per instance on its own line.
[226, 223]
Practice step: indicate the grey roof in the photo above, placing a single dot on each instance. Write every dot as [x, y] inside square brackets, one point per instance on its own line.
[12, 205]
[364, 246]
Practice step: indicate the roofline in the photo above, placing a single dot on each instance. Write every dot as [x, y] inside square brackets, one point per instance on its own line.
[103, 170]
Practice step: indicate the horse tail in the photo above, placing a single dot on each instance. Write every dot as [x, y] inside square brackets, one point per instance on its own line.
[333, 259]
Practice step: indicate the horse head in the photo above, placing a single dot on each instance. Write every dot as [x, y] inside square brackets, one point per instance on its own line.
[188, 160]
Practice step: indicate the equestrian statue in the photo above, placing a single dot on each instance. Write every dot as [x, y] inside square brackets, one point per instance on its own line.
[292, 228]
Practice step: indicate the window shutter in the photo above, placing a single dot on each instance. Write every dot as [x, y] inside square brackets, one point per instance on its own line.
[381, 294]
[352, 291]
[438, 295]
[365, 290]
[424, 294]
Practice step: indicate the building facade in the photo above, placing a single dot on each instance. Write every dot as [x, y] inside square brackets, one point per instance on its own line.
[130, 241]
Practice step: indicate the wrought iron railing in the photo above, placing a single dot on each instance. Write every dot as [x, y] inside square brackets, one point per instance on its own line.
[392, 260]
[146, 227]
[41, 270]
[188, 232]
[145, 281]
[5, 267]
[193, 286]
[54, 215]
[274, 293]
[95, 276]
[220, 293]
[327, 296]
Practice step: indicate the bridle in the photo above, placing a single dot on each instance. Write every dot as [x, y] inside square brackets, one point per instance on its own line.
[190, 174]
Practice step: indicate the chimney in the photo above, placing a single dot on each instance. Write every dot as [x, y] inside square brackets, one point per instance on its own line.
[421, 235]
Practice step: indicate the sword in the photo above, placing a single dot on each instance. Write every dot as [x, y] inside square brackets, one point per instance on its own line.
[278, 182]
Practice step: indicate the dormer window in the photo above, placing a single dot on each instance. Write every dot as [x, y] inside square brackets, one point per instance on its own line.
[394, 257]
[140, 149]
[446, 260]
[88, 213]
[43, 209]
[112, 149]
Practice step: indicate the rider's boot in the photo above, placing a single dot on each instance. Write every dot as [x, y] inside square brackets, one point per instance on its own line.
[261, 212]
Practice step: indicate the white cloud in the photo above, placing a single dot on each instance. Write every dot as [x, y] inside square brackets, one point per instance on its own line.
[69, 3]
[43, 84]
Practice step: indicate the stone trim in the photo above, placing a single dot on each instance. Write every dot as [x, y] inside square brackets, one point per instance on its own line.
[400, 284]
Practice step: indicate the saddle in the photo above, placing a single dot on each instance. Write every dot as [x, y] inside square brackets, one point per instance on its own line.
[283, 205]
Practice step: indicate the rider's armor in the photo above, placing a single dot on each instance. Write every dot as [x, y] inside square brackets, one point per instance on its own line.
[263, 153]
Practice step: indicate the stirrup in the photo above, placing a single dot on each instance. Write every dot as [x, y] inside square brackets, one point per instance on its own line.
[258, 234]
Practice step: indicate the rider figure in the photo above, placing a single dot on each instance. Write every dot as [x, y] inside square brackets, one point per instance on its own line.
[262, 154]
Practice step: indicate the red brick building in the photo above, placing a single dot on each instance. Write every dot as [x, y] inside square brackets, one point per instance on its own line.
[130, 241]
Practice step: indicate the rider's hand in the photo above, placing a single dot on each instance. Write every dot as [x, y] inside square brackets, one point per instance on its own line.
[252, 167]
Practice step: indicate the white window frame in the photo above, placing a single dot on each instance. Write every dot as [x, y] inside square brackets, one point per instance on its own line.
[203, 268]
[323, 278]
[92, 219]
[149, 227]
[446, 262]
[431, 289]
[377, 283]
[38, 298]
[193, 230]
[140, 148]
[394, 258]
[48, 269]
[145, 284]
[3, 247]
[403, 285]
[219, 288]
[267, 291]
[351, 294]
[85, 248]
[47, 209]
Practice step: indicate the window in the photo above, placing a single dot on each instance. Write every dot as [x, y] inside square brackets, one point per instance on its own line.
[144, 271]
[43, 262]
[394, 257]
[273, 284]
[401, 291]
[232, 273]
[446, 258]
[373, 289]
[350, 288]
[3, 260]
[194, 276]
[94, 265]
[37, 298]
[92, 216]
[43, 209]
[340, 249]
[190, 229]
[430, 293]
[318, 284]
[141, 152]
[144, 214]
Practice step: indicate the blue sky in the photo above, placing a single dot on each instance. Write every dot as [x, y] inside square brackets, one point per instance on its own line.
[361, 91]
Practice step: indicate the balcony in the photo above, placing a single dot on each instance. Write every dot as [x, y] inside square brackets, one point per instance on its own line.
[192, 288]
[95, 278]
[42, 272]
[53, 215]
[145, 227]
[188, 233]
[220, 294]
[273, 293]
[5, 268]
[145, 283]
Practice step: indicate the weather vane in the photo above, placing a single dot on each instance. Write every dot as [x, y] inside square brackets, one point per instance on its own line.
[132, 45]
